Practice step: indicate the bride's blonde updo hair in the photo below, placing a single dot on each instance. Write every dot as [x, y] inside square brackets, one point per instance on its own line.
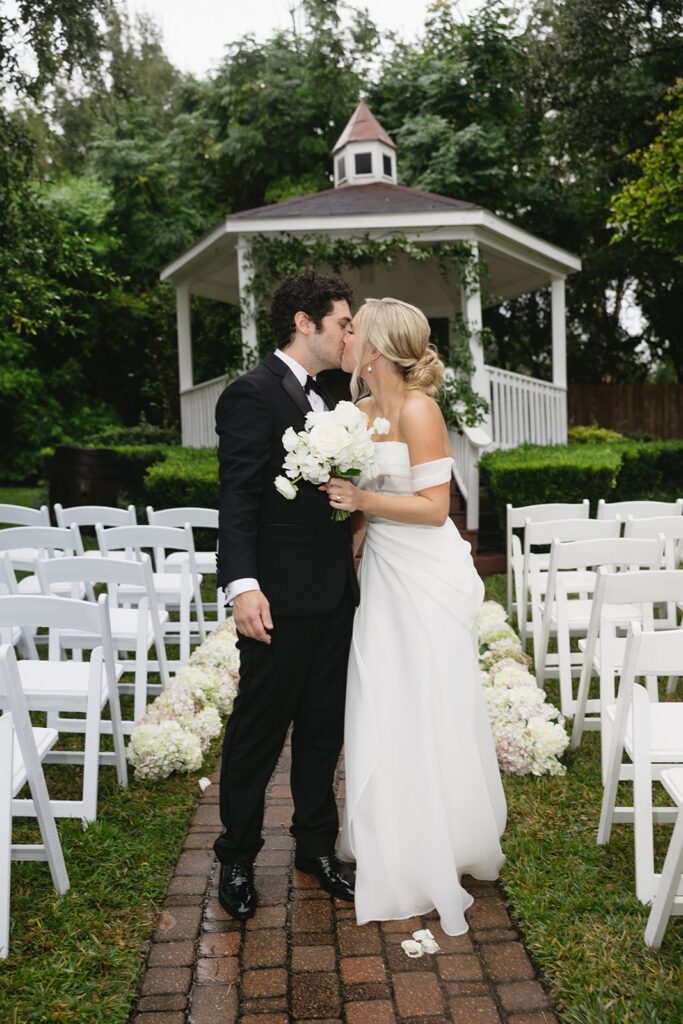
[399, 332]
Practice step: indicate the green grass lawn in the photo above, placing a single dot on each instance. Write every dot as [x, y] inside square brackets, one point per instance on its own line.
[32, 497]
[574, 901]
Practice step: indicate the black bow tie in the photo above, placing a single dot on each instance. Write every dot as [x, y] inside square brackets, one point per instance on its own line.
[312, 385]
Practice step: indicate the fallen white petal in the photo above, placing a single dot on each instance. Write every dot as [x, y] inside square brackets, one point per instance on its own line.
[411, 948]
[204, 783]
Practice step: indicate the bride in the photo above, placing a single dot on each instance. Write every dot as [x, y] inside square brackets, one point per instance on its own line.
[424, 800]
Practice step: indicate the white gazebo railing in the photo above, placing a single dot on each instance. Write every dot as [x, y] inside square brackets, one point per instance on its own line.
[526, 410]
[197, 413]
[467, 447]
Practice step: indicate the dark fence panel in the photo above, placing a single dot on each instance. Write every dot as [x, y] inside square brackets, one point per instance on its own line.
[655, 409]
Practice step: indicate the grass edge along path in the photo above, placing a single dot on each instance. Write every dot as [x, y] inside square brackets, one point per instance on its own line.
[574, 901]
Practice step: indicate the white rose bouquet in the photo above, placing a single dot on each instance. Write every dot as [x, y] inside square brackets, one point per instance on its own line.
[334, 443]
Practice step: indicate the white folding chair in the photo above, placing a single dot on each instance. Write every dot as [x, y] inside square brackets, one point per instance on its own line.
[22, 750]
[618, 597]
[175, 587]
[198, 518]
[638, 509]
[67, 687]
[132, 629]
[651, 734]
[571, 572]
[91, 515]
[669, 892]
[542, 534]
[19, 515]
[516, 519]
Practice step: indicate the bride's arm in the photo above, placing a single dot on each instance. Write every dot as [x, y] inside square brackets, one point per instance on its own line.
[422, 426]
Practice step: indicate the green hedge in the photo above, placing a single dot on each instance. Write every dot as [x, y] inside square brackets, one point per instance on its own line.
[186, 476]
[621, 471]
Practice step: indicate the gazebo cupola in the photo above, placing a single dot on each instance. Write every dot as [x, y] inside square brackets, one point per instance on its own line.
[364, 153]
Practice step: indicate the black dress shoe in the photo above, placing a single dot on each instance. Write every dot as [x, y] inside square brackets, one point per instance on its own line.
[236, 892]
[334, 876]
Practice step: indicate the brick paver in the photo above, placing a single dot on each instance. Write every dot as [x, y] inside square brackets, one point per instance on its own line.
[303, 958]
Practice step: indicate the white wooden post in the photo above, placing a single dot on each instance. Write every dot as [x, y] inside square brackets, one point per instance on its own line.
[559, 332]
[184, 337]
[470, 304]
[245, 273]
[559, 337]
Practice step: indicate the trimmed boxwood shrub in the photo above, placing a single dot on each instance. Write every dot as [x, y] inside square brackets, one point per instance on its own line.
[622, 471]
[592, 434]
[186, 476]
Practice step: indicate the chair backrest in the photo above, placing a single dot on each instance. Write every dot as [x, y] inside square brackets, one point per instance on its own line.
[93, 569]
[47, 539]
[90, 515]
[168, 538]
[517, 517]
[647, 586]
[670, 527]
[206, 518]
[160, 539]
[33, 612]
[638, 509]
[19, 515]
[611, 551]
[544, 533]
[649, 653]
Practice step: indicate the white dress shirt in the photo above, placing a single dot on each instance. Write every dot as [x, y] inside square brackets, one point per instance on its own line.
[317, 405]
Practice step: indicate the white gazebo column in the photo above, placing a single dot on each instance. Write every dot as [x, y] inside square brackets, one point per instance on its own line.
[245, 274]
[470, 304]
[183, 317]
[559, 338]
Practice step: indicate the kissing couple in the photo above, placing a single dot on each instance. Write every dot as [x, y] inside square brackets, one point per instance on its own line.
[383, 661]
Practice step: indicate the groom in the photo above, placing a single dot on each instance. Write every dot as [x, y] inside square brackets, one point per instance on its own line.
[288, 570]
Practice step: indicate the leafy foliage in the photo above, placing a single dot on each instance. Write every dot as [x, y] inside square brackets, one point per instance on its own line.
[650, 206]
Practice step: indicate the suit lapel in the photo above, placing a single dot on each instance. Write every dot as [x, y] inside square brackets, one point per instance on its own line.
[289, 382]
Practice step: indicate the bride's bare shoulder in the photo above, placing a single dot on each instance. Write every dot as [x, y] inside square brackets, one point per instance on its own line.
[420, 410]
[366, 405]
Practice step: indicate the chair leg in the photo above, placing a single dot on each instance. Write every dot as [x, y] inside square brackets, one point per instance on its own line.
[5, 834]
[643, 831]
[669, 881]
[609, 794]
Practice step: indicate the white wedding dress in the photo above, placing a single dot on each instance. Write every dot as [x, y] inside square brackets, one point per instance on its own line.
[424, 799]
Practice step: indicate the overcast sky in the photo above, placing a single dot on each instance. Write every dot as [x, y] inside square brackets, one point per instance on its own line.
[196, 31]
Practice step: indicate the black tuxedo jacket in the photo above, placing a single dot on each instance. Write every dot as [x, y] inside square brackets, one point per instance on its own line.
[300, 556]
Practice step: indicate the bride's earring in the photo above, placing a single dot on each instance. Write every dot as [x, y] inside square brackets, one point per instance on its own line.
[369, 370]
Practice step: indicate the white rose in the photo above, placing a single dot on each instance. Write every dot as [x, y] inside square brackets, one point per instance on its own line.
[290, 439]
[328, 439]
[349, 415]
[381, 425]
[285, 487]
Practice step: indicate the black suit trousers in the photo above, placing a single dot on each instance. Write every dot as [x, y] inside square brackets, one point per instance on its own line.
[299, 678]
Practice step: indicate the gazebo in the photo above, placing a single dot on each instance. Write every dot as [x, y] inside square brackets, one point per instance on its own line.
[367, 202]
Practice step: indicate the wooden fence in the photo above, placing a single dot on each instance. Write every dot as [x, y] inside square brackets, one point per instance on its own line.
[655, 409]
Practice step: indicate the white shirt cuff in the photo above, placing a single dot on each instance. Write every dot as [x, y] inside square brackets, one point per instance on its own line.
[240, 587]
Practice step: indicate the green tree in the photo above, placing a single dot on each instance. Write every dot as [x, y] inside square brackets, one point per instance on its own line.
[650, 207]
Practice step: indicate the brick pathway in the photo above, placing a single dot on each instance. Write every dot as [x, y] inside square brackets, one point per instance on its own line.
[303, 958]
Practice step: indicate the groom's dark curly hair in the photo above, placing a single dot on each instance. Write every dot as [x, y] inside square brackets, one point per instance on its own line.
[308, 292]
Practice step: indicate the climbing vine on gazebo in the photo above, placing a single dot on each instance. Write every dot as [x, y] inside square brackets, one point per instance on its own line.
[273, 258]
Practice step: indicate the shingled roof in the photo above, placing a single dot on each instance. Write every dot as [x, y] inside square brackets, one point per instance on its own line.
[363, 126]
[376, 197]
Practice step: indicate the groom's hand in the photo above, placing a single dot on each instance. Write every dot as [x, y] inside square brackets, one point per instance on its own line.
[251, 612]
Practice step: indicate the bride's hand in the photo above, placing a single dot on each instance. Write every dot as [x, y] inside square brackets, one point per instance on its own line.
[343, 495]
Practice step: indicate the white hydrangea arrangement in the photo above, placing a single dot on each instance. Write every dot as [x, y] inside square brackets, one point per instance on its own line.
[179, 726]
[528, 732]
[335, 443]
